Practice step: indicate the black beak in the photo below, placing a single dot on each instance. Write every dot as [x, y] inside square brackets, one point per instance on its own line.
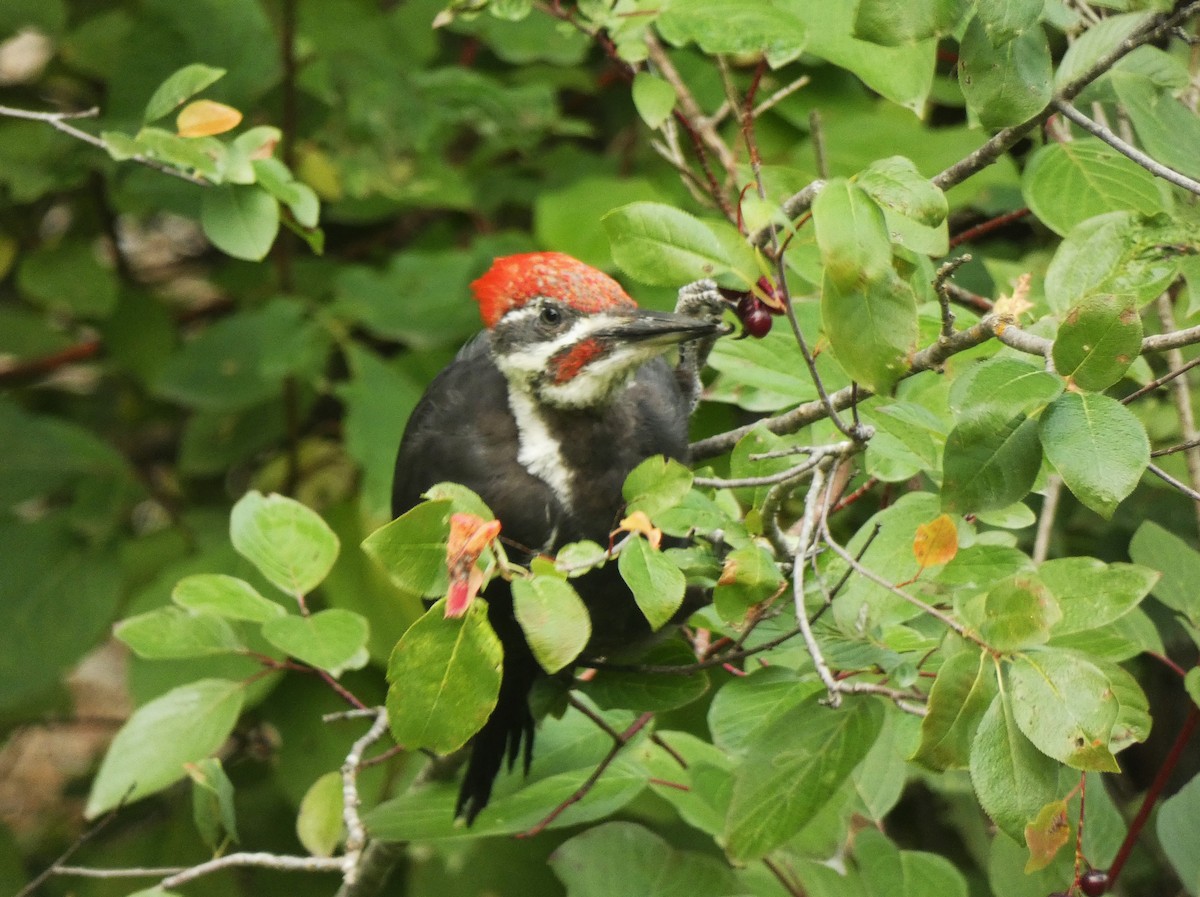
[661, 328]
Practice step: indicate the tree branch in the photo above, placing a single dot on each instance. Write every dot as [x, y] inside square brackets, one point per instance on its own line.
[1127, 149]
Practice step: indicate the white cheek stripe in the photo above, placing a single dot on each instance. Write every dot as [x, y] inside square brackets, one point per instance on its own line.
[540, 453]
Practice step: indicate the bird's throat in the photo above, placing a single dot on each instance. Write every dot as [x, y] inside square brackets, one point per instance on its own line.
[540, 451]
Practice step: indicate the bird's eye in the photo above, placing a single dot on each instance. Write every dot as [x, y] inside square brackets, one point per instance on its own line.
[551, 315]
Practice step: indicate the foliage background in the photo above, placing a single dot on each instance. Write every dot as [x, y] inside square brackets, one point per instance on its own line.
[150, 380]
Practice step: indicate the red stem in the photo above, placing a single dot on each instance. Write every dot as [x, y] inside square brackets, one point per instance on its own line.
[1152, 795]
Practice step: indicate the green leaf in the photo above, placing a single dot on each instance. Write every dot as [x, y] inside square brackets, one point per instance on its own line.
[746, 703]
[289, 543]
[169, 632]
[1013, 779]
[443, 679]
[1064, 704]
[225, 596]
[656, 485]
[243, 361]
[334, 640]
[1091, 593]
[412, 548]
[901, 74]
[913, 208]
[792, 769]
[636, 861]
[182, 84]
[872, 328]
[554, 619]
[891, 24]
[68, 279]
[1165, 126]
[1006, 19]
[1068, 182]
[964, 689]
[1005, 83]
[989, 462]
[212, 803]
[749, 575]
[1097, 342]
[1178, 827]
[656, 583]
[59, 598]
[1133, 708]
[662, 245]
[1116, 254]
[1017, 612]
[852, 235]
[319, 824]
[908, 440]
[240, 220]
[630, 690]
[1179, 563]
[1191, 684]
[274, 177]
[735, 27]
[1005, 386]
[653, 98]
[863, 604]
[1098, 447]
[184, 725]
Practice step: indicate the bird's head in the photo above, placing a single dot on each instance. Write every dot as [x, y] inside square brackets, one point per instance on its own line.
[566, 333]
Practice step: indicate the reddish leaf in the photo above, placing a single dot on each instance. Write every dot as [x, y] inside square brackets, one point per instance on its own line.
[469, 536]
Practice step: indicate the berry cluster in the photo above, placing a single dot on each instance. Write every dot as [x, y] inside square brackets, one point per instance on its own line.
[755, 313]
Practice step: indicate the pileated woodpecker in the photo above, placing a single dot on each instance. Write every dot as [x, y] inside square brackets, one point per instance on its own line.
[543, 416]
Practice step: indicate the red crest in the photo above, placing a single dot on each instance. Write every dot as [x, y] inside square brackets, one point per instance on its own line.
[515, 279]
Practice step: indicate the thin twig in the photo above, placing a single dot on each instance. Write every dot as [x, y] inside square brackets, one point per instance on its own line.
[690, 109]
[1165, 378]
[1181, 390]
[1126, 149]
[929, 358]
[1171, 481]
[58, 121]
[782, 94]
[260, 860]
[940, 280]
[580, 793]
[817, 133]
[1045, 527]
[356, 833]
[986, 227]
[808, 528]
[916, 602]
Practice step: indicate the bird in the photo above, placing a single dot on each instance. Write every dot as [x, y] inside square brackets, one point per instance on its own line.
[543, 415]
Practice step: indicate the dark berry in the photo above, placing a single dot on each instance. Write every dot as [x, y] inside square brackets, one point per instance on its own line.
[757, 323]
[1094, 882]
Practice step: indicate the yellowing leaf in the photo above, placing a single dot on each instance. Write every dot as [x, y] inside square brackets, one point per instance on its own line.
[1048, 832]
[638, 522]
[936, 542]
[1018, 303]
[204, 118]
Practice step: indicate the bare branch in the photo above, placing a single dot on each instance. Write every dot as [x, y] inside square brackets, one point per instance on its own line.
[1045, 527]
[1126, 149]
[58, 121]
[356, 834]
[690, 109]
[813, 511]
[929, 358]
